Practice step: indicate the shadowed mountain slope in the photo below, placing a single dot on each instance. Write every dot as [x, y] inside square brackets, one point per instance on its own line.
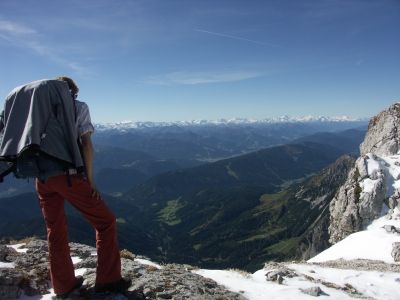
[112, 157]
[244, 226]
[80, 231]
[163, 148]
[19, 207]
[27, 206]
[268, 168]
[348, 141]
[222, 214]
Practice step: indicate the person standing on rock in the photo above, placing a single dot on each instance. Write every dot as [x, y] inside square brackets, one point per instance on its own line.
[82, 194]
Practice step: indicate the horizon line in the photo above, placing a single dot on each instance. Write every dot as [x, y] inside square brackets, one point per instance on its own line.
[281, 119]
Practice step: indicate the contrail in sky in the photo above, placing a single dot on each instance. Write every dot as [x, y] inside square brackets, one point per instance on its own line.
[238, 38]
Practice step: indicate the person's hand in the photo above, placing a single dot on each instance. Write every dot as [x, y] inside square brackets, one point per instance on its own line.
[95, 191]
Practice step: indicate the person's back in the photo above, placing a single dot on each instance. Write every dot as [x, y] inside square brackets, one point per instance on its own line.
[38, 119]
[83, 194]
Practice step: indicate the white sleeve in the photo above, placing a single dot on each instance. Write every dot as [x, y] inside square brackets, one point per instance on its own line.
[83, 119]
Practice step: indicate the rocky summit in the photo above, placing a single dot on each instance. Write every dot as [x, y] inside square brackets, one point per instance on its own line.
[29, 272]
[372, 181]
[26, 273]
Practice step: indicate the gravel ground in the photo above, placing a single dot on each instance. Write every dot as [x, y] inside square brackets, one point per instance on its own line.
[360, 264]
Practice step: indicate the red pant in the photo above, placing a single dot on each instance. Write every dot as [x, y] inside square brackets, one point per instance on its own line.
[51, 198]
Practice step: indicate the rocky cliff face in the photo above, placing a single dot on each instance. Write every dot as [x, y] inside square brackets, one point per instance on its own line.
[320, 192]
[383, 135]
[372, 180]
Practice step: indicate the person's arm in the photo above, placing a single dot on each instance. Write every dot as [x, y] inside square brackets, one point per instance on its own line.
[1, 120]
[1, 126]
[88, 156]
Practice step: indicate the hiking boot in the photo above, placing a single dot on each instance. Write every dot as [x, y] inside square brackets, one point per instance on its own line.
[116, 286]
[78, 284]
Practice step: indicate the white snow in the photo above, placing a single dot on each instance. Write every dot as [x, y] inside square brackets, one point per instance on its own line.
[374, 243]
[6, 265]
[18, 248]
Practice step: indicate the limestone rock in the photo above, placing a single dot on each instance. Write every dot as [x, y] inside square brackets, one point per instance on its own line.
[171, 281]
[396, 251]
[353, 206]
[383, 133]
[88, 262]
[313, 291]
[393, 201]
[362, 168]
[6, 253]
[3, 252]
[391, 229]
[82, 251]
[36, 246]
[277, 272]
[352, 209]
[9, 281]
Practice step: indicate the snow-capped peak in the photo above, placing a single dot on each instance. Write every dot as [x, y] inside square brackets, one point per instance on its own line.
[127, 124]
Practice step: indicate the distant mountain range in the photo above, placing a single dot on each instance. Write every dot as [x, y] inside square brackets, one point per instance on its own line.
[125, 158]
[127, 125]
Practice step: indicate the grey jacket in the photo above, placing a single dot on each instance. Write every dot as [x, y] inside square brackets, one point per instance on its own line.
[40, 113]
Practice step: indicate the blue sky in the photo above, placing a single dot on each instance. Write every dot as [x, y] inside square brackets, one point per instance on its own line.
[168, 60]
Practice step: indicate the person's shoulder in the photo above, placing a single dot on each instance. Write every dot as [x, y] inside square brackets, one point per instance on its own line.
[80, 103]
[81, 106]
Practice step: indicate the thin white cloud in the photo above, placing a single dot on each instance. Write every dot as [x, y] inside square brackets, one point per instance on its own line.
[242, 39]
[79, 69]
[187, 78]
[18, 35]
[15, 29]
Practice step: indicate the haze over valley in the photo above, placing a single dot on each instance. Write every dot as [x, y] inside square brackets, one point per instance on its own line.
[170, 184]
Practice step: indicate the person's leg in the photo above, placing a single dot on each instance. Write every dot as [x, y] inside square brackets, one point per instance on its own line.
[61, 266]
[103, 220]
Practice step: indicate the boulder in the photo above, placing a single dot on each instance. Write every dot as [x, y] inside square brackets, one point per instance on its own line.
[9, 281]
[277, 272]
[396, 251]
[3, 252]
[312, 291]
[391, 229]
